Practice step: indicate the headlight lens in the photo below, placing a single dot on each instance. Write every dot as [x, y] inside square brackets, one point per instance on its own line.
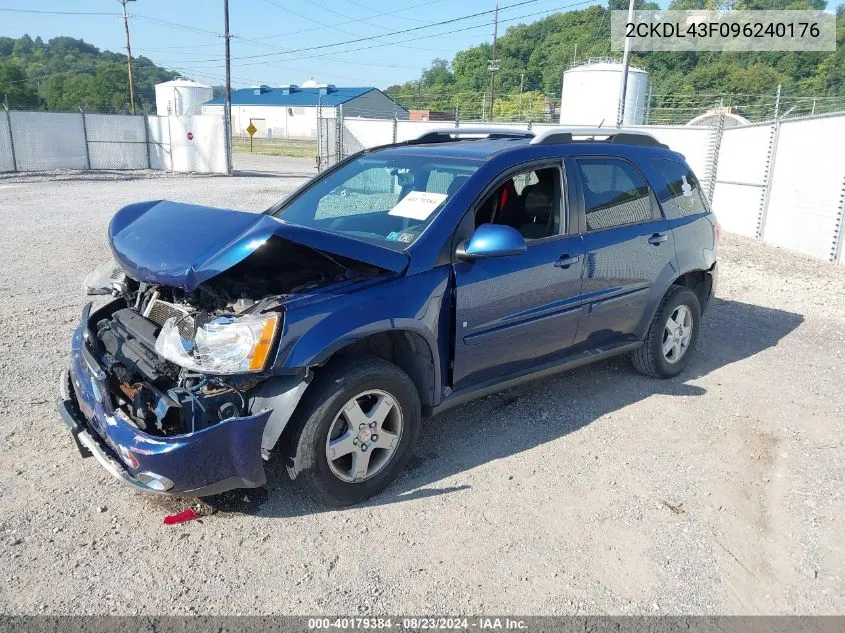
[227, 345]
[107, 278]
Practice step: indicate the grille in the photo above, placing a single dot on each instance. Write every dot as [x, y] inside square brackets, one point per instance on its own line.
[160, 311]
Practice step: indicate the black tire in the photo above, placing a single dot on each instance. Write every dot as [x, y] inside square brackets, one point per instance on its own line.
[649, 358]
[335, 385]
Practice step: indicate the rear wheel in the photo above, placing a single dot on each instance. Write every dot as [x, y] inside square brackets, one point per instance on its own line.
[672, 335]
[354, 430]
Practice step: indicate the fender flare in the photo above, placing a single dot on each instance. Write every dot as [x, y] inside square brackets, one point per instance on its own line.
[281, 395]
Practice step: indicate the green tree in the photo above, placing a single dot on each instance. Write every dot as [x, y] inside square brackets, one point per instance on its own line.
[534, 56]
[7, 45]
[15, 90]
[67, 73]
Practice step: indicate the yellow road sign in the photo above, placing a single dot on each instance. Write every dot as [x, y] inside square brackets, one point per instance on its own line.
[251, 129]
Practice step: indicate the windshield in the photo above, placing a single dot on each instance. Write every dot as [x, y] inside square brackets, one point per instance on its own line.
[389, 198]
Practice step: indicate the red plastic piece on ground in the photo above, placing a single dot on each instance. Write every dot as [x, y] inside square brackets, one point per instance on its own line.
[181, 517]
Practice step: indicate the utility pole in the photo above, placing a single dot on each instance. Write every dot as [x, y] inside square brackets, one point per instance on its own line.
[227, 110]
[493, 64]
[129, 56]
[777, 103]
[521, 84]
[625, 60]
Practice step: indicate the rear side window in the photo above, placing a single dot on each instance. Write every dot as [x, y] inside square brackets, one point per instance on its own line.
[682, 194]
[615, 193]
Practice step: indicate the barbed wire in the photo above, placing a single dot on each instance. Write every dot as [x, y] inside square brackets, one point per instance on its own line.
[660, 108]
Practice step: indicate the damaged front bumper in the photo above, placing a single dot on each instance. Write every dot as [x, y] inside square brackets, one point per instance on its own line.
[222, 457]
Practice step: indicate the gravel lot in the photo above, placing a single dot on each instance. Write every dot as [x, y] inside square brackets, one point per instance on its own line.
[596, 491]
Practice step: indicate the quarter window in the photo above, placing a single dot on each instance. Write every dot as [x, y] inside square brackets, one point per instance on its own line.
[615, 193]
[682, 193]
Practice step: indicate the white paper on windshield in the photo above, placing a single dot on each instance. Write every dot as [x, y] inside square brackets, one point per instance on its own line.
[418, 205]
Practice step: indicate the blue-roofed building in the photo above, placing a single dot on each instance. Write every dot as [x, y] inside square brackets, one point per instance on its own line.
[291, 111]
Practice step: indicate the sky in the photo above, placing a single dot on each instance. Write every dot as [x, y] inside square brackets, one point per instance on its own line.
[279, 42]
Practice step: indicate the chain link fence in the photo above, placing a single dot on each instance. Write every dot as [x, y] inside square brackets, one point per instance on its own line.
[782, 181]
[47, 141]
[655, 107]
[279, 146]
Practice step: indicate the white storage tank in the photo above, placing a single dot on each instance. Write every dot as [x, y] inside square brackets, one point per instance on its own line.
[180, 97]
[590, 95]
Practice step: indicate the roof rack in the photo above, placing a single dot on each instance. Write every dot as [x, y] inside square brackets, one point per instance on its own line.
[444, 135]
[612, 134]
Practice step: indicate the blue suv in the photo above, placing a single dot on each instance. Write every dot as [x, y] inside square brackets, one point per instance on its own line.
[405, 280]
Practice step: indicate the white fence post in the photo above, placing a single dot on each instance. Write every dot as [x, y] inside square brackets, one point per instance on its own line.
[319, 134]
[147, 141]
[715, 146]
[838, 237]
[767, 179]
[338, 122]
[11, 138]
[85, 138]
[169, 142]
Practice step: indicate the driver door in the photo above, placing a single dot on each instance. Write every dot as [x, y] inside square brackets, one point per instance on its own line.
[515, 313]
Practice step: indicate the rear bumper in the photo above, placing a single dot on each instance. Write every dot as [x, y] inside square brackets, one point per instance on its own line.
[714, 282]
[222, 457]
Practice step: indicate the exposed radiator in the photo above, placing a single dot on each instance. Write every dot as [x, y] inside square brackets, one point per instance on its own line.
[159, 312]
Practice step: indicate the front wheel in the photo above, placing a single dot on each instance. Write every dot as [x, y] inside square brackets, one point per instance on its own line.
[354, 430]
[672, 335]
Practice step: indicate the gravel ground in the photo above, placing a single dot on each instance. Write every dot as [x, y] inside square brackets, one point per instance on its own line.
[597, 491]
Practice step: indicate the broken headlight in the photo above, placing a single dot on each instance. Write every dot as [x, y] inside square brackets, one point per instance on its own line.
[226, 345]
[106, 279]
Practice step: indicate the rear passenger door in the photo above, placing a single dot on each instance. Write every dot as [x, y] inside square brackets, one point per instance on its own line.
[630, 251]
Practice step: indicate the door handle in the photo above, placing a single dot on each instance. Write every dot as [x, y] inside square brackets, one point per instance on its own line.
[566, 261]
[658, 238]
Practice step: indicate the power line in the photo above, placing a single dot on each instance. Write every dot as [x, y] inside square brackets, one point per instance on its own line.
[408, 8]
[422, 37]
[310, 19]
[175, 25]
[60, 72]
[59, 12]
[399, 42]
[349, 17]
[396, 13]
[400, 32]
[255, 42]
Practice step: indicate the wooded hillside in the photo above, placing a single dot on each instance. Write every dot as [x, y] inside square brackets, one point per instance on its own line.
[64, 74]
[533, 56]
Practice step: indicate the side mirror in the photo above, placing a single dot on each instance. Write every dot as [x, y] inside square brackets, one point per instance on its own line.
[492, 240]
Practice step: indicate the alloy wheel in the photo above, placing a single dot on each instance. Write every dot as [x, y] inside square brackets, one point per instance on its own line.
[364, 436]
[677, 334]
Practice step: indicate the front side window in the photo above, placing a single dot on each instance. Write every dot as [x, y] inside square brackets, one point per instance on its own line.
[388, 198]
[682, 193]
[615, 193]
[530, 202]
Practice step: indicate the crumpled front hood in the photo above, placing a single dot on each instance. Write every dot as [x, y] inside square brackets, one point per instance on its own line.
[183, 245]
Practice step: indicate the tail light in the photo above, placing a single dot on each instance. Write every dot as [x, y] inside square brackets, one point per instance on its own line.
[717, 231]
